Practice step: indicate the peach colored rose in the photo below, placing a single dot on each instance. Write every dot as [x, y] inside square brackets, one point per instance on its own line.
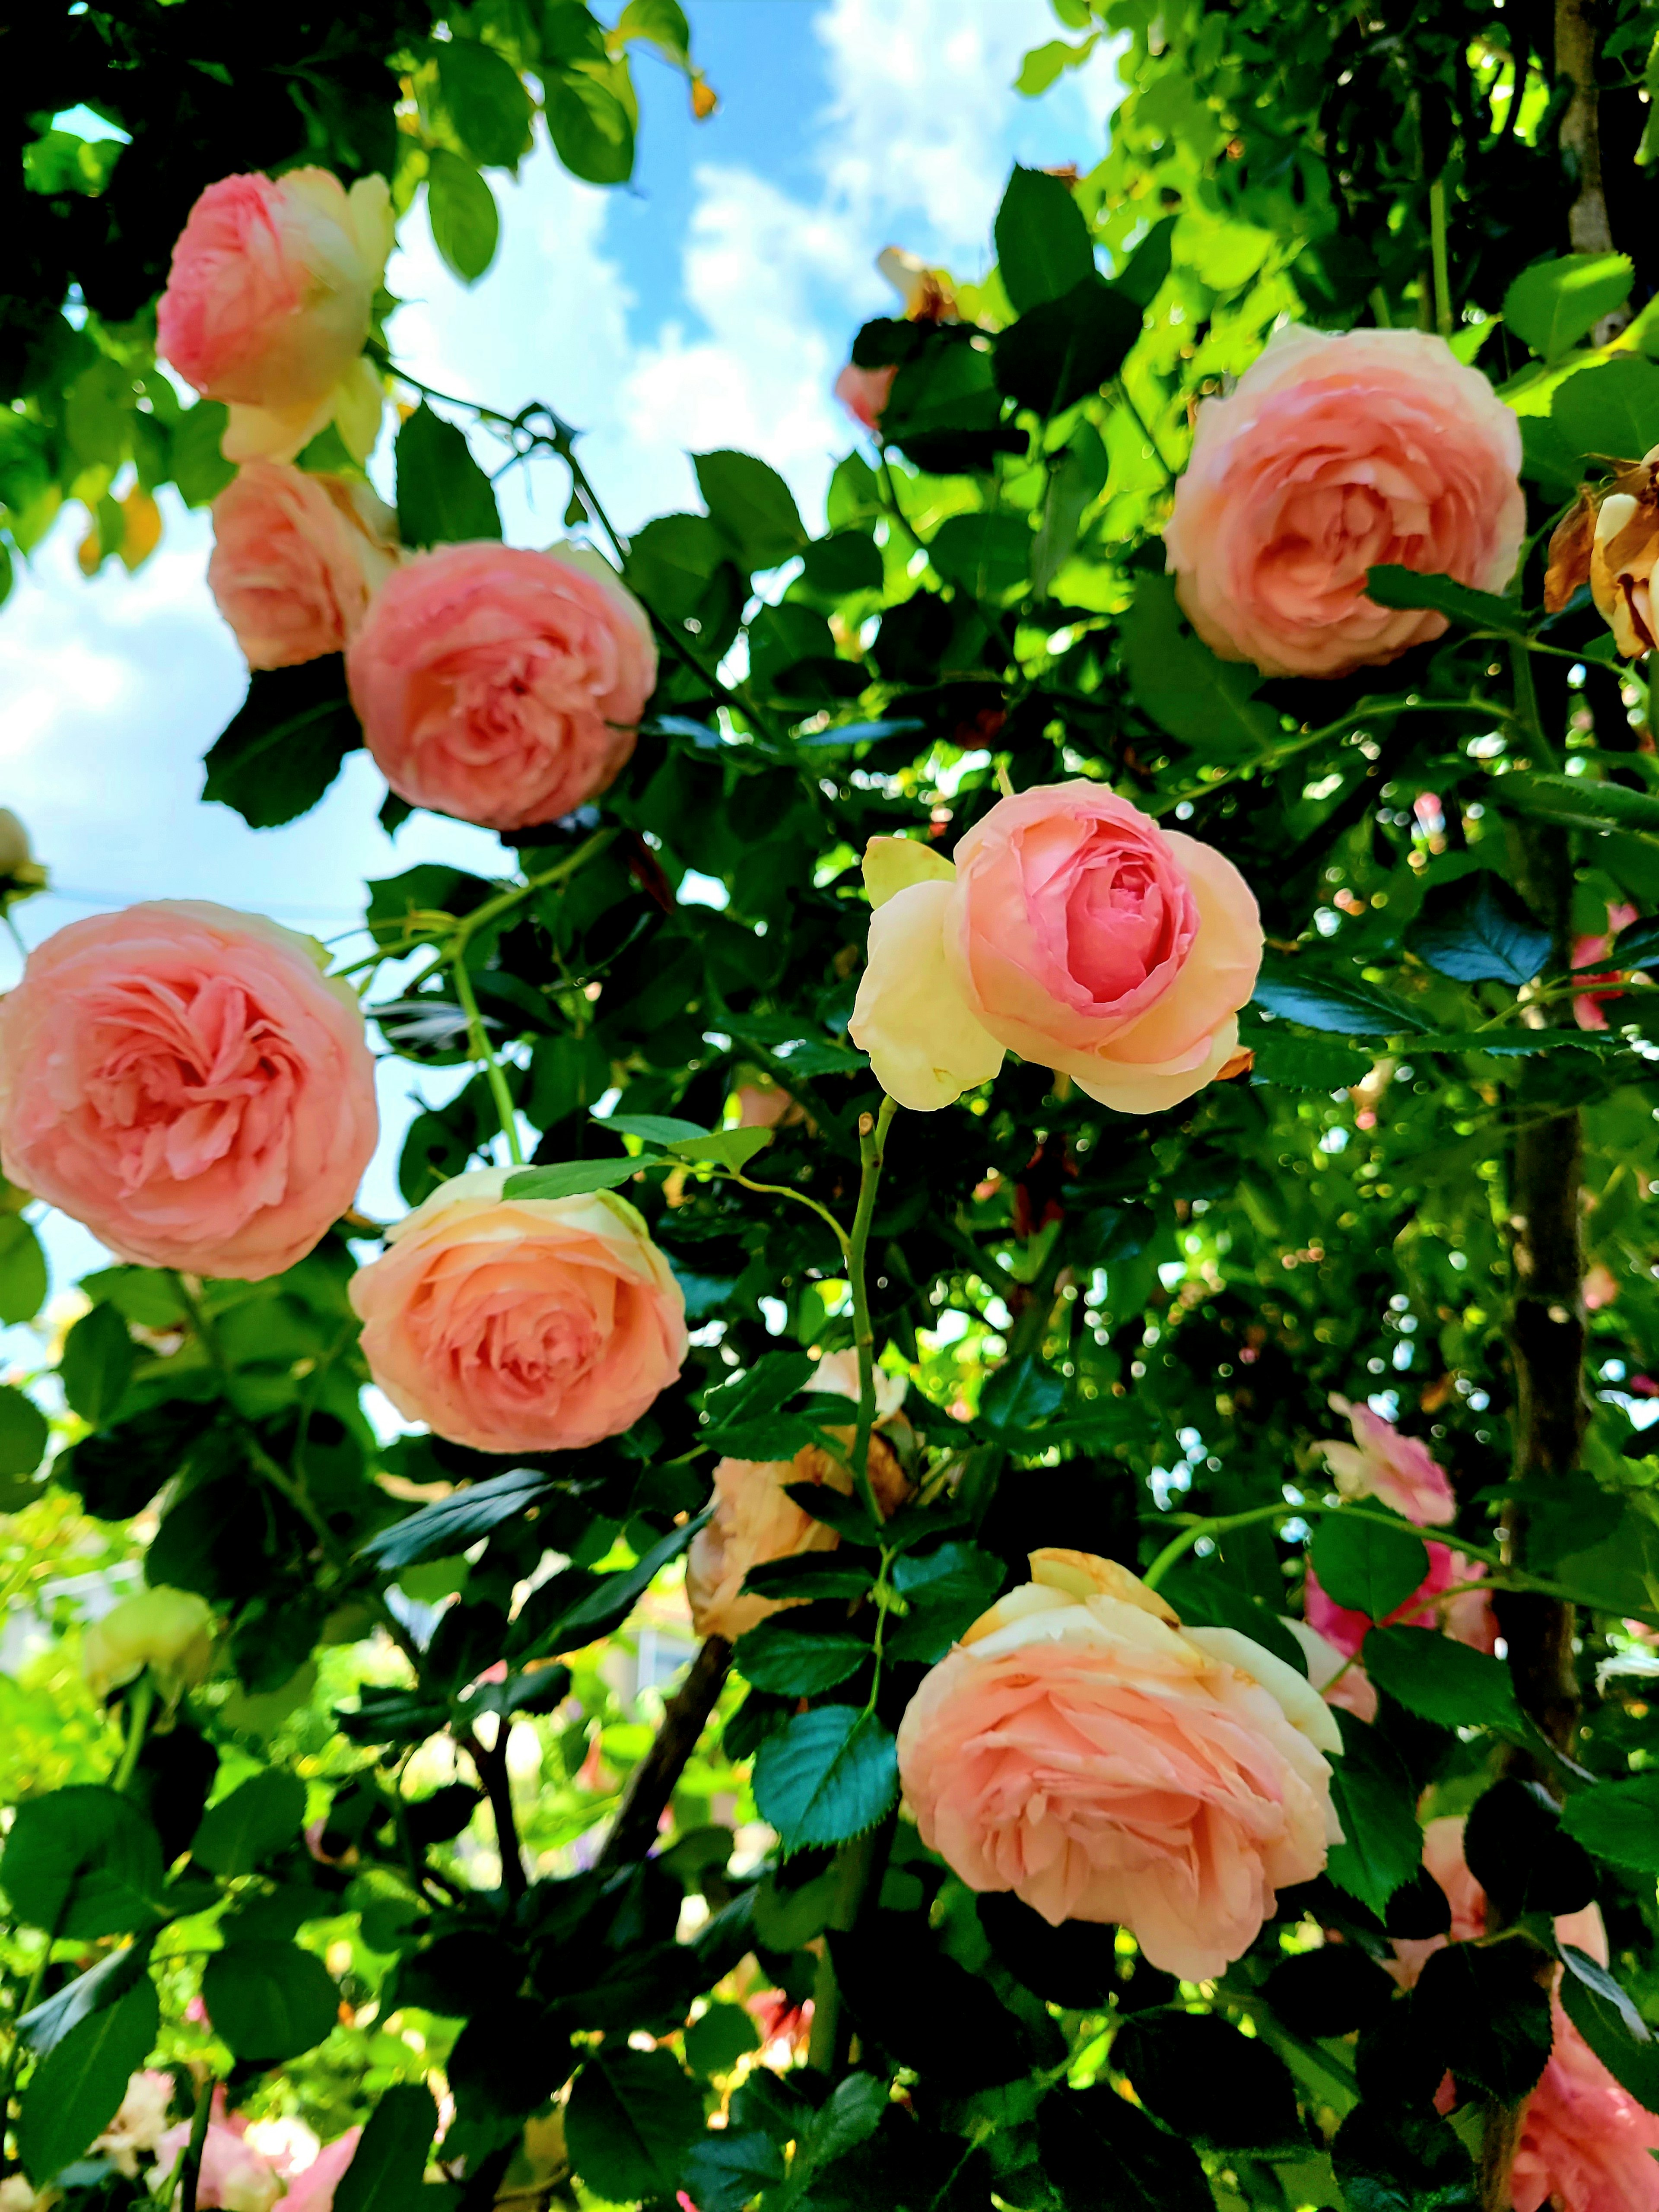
[186, 1081]
[1586, 1005]
[1334, 455]
[754, 1521]
[1467, 1619]
[1585, 2142]
[233, 2177]
[863, 392]
[1082, 1749]
[1381, 1463]
[295, 558]
[1071, 930]
[518, 1325]
[269, 299]
[312, 2190]
[501, 685]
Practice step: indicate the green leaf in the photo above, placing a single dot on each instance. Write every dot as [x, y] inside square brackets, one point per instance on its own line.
[97, 1364]
[674, 564]
[285, 745]
[1175, 676]
[798, 1662]
[590, 126]
[946, 1590]
[261, 1816]
[1061, 350]
[24, 1434]
[1208, 2083]
[836, 566]
[443, 497]
[1143, 277]
[725, 1148]
[831, 1774]
[1576, 800]
[1098, 2149]
[751, 506]
[1375, 1804]
[1481, 610]
[387, 2167]
[1393, 2158]
[727, 2171]
[269, 2001]
[803, 1577]
[662, 24]
[1609, 413]
[199, 469]
[1553, 304]
[655, 1129]
[76, 2089]
[1042, 243]
[81, 1860]
[1305, 1063]
[1490, 2018]
[1618, 1820]
[450, 1524]
[1295, 990]
[714, 2043]
[486, 99]
[1478, 931]
[632, 2117]
[1044, 64]
[1609, 2022]
[605, 1607]
[1370, 1569]
[574, 1177]
[989, 556]
[22, 1271]
[1020, 1395]
[94, 1991]
[461, 209]
[851, 2116]
[1441, 1680]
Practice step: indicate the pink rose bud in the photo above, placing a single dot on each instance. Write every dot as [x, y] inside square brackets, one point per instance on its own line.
[1334, 455]
[295, 560]
[518, 1325]
[501, 685]
[863, 392]
[269, 299]
[1227, 1741]
[1381, 1463]
[1071, 930]
[186, 1081]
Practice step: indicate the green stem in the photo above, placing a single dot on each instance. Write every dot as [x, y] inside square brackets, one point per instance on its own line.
[893, 507]
[505, 1112]
[1443, 292]
[190, 2178]
[872, 1145]
[139, 1707]
[859, 1866]
[783, 1190]
[1526, 701]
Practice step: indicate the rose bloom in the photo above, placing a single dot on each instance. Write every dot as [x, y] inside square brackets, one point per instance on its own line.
[312, 2190]
[1084, 1750]
[1586, 1005]
[521, 1325]
[235, 2177]
[1624, 547]
[1336, 455]
[755, 1521]
[170, 1632]
[141, 2122]
[863, 392]
[186, 1081]
[269, 299]
[1586, 2145]
[296, 559]
[1467, 1619]
[1381, 1463]
[501, 685]
[1340, 1678]
[1071, 930]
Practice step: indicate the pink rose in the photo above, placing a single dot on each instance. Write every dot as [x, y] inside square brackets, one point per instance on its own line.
[1381, 1463]
[235, 2177]
[1467, 1619]
[1586, 1005]
[754, 1521]
[1071, 930]
[268, 304]
[295, 558]
[501, 685]
[186, 1081]
[1335, 455]
[519, 1325]
[863, 392]
[313, 2188]
[1082, 1749]
[1337, 1675]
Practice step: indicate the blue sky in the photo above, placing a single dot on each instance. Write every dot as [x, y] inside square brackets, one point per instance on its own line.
[708, 304]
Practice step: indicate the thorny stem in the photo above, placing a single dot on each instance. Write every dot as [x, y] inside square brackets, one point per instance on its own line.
[872, 1145]
[505, 1111]
[652, 1782]
[1444, 318]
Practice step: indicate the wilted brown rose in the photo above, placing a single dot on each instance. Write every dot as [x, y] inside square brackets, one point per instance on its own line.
[1622, 558]
[1570, 554]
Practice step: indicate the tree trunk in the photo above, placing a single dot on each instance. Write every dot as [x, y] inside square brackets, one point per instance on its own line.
[651, 1784]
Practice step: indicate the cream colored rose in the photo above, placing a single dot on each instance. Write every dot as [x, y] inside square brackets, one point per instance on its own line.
[170, 1632]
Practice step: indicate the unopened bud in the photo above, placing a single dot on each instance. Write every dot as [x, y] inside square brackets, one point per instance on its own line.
[169, 1631]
